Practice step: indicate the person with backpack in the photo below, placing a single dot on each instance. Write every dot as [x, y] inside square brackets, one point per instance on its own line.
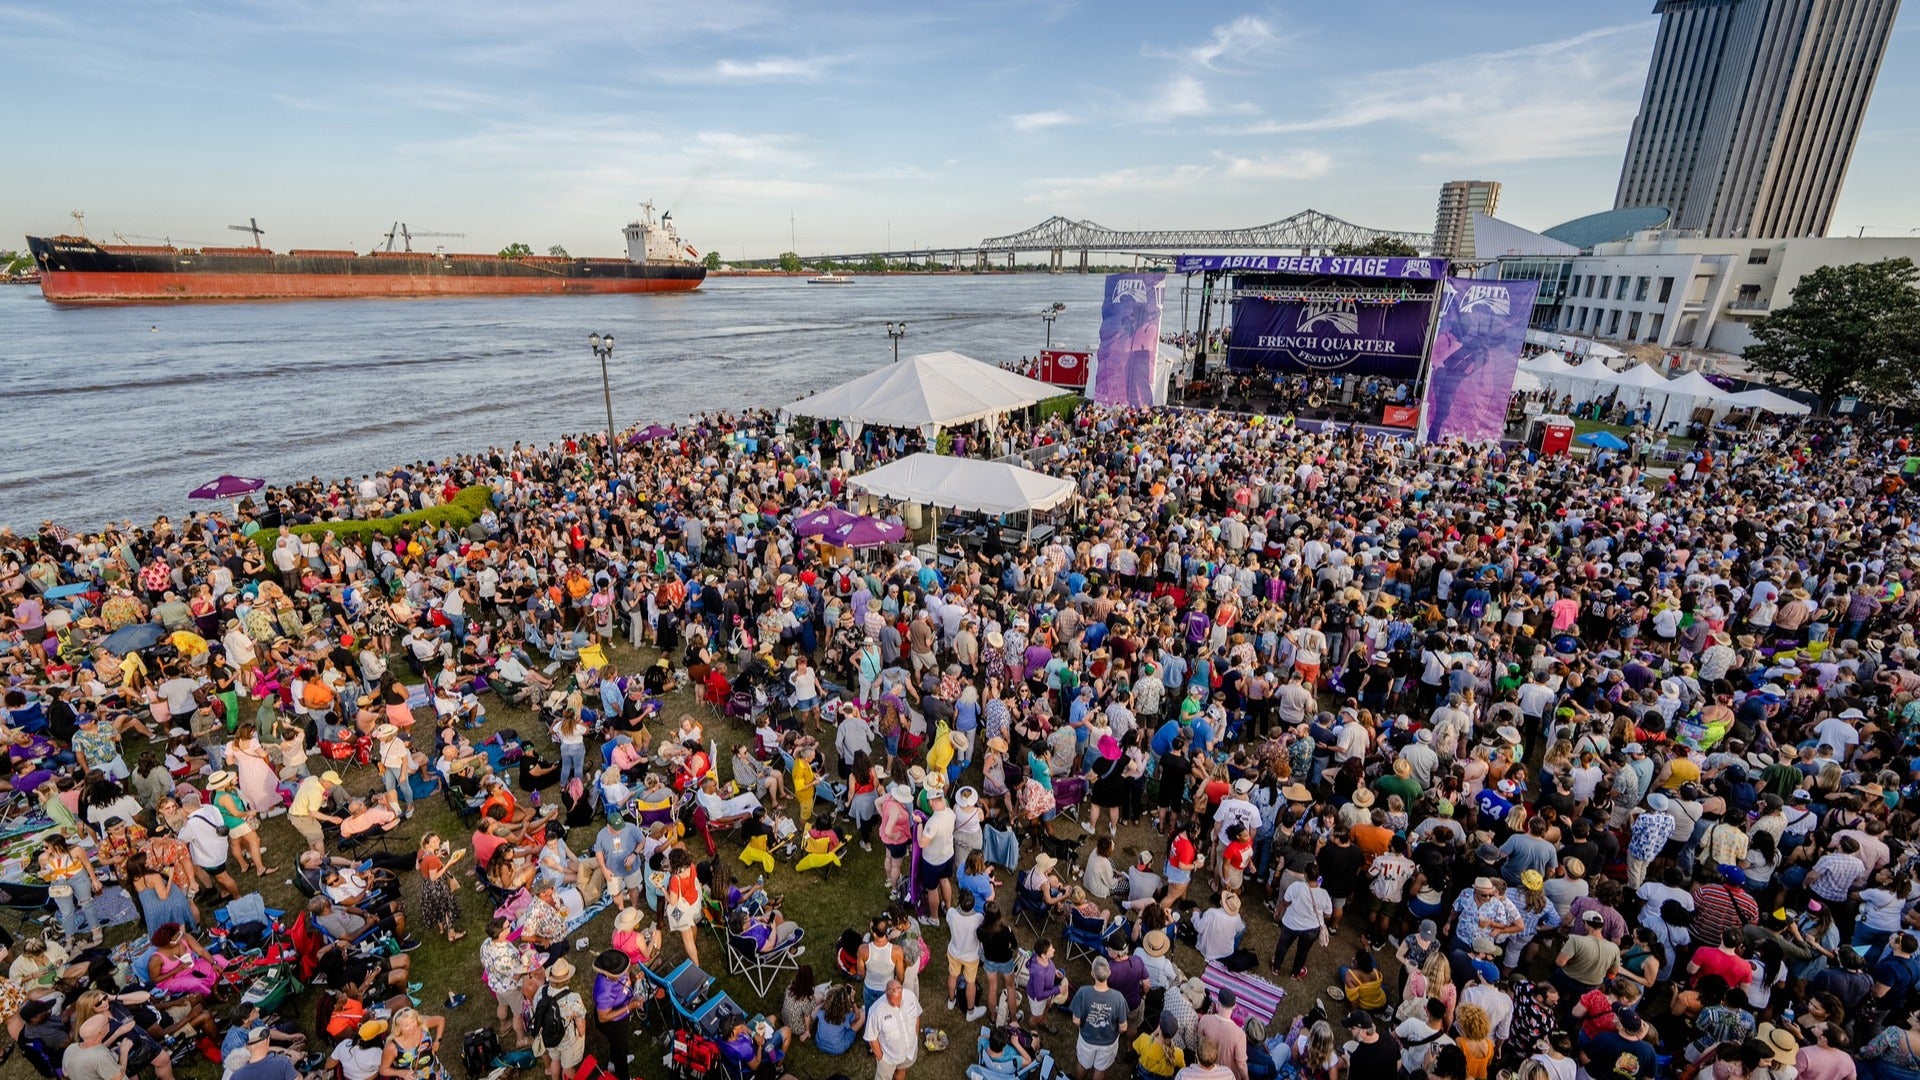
[560, 1022]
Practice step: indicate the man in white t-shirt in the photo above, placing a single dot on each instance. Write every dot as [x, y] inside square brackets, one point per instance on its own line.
[936, 854]
[205, 834]
[963, 954]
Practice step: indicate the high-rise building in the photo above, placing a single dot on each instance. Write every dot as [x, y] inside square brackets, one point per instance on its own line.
[1751, 111]
[1453, 224]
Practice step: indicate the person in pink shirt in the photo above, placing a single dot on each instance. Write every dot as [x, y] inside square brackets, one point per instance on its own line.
[1821, 1060]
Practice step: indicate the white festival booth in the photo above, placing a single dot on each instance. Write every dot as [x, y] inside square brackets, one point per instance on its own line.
[949, 483]
[928, 393]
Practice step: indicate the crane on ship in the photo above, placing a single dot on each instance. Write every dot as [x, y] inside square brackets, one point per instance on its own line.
[252, 226]
[406, 236]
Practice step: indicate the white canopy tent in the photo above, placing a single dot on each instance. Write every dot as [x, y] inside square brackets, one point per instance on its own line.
[989, 487]
[927, 393]
[1526, 382]
[1698, 391]
[1767, 401]
[1637, 385]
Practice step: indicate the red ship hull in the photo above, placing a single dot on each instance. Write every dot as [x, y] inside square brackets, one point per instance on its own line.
[109, 286]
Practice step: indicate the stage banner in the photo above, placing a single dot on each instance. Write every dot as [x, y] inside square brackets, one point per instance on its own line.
[1129, 339]
[1372, 266]
[1063, 368]
[1476, 351]
[1406, 416]
[1297, 335]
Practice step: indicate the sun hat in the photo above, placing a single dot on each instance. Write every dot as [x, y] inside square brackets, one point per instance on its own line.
[1110, 751]
[1231, 903]
[385, 731]
[1363, 797]
[1485, 947]
[1657, 801]
[1574, 867]
[998, 744]
[901, 793]
[1297, 792]
[966, 796]
[1402, 768]
[1145, 858]
[1157, 943]
[1510, 733]
[1044, 862]
[1531, 880]
[1780, 1043]
[561, 971]
[221, 780]
[627, 919]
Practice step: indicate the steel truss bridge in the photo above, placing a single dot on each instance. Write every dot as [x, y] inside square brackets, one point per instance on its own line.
[1307, 232]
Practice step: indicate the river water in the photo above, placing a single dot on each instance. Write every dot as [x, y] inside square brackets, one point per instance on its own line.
[117, 412]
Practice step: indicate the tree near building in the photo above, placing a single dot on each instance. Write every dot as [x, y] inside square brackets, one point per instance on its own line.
[558, 252]
[789, 262]
[713, 260]
[15, 262]
[1850, 329]
[1385, 246]
[515, 250]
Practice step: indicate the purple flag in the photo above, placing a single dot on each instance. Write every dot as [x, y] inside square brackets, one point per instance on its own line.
[1476, 350]
[1129, 339]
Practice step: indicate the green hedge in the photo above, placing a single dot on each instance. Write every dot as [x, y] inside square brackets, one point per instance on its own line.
[463, 511]
[1064, 405]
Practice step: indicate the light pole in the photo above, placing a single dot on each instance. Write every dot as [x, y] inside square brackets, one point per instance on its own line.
[1047, 315]
[602, 346]
[896, 331]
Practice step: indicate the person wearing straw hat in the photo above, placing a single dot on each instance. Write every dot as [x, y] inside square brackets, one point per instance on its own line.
[560, 1022]
[395, 759]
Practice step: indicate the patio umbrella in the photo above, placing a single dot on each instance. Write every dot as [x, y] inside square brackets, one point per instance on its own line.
[134, 638]
[819, 522]
[650, 433]
[77, 588]
[226, 487]
[1605, 440]
[864, 533]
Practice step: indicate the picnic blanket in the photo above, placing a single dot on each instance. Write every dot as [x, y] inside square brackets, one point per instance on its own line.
[587, 914]
[1254, 997]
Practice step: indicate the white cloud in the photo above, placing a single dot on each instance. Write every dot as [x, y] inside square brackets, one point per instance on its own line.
[1572, 97]
[1178, 178]
[1242, 39]
[1299, 165]
[1226, 172]
[1040, 121]
[775, 69]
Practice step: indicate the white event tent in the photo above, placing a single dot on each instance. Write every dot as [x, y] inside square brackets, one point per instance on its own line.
[927, 393]
[1767, 401]
[1636, 385]
[1699, 391]
[988, 487]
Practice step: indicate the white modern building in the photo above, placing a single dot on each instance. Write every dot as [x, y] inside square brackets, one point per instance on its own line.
[1681, 290]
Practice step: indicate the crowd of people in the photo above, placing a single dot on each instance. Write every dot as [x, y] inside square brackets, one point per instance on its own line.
[1551, 766]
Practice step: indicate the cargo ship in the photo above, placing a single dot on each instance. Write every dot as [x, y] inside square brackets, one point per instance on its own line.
[74, 269]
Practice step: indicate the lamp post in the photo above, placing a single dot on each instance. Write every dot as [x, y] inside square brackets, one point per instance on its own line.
[602, 346]
[896, 331]
[1047, 315]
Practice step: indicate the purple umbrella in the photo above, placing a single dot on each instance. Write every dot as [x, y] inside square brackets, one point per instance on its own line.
[820, 521]
[226, 487]
[865, 533]
[650, 433]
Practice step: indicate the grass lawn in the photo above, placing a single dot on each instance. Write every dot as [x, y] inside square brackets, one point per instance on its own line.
[823, 905]
[1583, 427]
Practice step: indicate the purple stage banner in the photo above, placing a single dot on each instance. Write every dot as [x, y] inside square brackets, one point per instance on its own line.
[1129, 339]
[1301, 336]
[1373, 266]
[1476, 351]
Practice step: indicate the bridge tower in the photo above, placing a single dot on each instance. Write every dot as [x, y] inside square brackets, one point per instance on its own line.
[1083, 260]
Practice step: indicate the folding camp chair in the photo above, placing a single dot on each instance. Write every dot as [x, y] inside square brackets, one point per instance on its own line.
[762, 968]
[1030, 907]
[1040, 1068]
[1087, 937]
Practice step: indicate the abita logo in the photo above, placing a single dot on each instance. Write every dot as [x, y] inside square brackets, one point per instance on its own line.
[1492, 299]
[1338, 316]
[1419, 268]
[1130, 289]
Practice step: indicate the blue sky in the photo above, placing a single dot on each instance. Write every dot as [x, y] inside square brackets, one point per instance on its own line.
[546, 121]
